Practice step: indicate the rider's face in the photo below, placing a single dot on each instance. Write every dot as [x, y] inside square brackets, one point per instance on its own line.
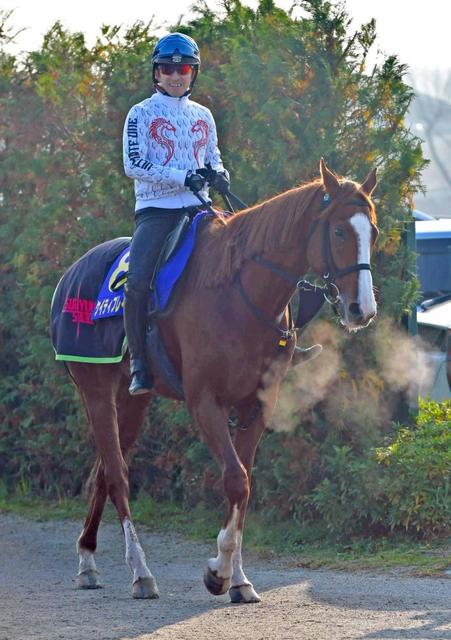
[175, 84]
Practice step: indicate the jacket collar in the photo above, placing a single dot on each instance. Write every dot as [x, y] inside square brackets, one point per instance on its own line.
[163, 98]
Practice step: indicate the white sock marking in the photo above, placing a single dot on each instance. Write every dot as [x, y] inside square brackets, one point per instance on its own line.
[227, 544]
[134, 554]
[238, 575]
[366, 300]
[87, 561]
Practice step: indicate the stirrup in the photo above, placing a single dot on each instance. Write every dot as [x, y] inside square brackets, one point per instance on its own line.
[300, 355]
[142, 382]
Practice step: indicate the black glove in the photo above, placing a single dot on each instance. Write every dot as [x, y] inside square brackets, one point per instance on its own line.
[218, 180]
[195, 181]
[221, 182]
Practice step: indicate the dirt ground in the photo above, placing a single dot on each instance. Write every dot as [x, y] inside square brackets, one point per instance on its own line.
[39, 599]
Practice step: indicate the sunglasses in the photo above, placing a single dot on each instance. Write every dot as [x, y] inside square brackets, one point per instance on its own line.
[169, 69]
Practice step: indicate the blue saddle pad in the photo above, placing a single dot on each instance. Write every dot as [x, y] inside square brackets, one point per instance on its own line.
[110, 300]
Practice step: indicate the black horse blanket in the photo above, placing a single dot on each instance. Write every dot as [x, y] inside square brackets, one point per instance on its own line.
[75, 335]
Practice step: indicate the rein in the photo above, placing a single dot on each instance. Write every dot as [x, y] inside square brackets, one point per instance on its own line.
[285, 334]
[311, 297]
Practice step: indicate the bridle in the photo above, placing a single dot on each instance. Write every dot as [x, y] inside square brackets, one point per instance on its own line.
[330, 270]
[311, 297]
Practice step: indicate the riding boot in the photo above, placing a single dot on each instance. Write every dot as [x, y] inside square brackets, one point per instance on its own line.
[300, 355]
[135, 319]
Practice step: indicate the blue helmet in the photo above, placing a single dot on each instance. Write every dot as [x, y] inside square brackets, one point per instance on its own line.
[176, 48]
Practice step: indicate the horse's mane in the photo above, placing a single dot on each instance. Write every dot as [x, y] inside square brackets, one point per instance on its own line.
[224, 245]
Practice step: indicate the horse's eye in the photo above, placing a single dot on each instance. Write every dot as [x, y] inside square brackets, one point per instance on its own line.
[339, 232]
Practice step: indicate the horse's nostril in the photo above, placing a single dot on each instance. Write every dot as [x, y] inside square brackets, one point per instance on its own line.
[354, 310]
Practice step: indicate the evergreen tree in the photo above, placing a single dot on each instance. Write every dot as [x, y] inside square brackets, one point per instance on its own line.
[285, 91]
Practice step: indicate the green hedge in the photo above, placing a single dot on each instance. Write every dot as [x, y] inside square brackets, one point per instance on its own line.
[417, 463]
[404, 485]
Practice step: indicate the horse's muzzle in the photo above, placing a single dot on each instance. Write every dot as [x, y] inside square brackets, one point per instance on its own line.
[353, 317]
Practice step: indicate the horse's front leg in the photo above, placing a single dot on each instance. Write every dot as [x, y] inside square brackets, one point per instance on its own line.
[246, 441]
[218, 575]
[229, 562]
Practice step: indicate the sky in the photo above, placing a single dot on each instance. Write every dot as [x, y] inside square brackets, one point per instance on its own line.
[416, 30]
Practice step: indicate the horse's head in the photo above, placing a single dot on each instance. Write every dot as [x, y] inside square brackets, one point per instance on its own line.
[340, 243]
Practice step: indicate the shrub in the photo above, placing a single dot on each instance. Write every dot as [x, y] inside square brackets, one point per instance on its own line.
[348, 499]
[417, 478]
[403, 485]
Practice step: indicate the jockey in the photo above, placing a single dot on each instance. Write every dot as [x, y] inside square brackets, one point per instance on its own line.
[168, 141]
[171, 152]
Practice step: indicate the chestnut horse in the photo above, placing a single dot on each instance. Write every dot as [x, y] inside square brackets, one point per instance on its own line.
[224, 340]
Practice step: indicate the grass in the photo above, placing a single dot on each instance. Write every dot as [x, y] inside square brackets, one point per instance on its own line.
[294, 545]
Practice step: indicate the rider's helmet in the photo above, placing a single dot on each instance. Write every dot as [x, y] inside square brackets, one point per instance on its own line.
[176, 48]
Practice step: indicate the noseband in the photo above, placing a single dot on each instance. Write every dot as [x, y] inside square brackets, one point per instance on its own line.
[311, 297]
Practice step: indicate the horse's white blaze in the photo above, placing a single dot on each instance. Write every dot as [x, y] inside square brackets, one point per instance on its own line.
[227, 544]
[366, 300]
[134, 554]
[87, 561]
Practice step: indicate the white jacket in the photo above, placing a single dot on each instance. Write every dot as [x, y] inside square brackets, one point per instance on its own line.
[164, 138]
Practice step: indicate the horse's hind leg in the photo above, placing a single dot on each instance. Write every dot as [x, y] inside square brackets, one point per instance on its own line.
[116, 419]
[88, 576]
[131, 414]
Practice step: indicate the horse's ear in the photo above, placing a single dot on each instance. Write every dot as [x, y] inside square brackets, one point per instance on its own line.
[329, 179]
[370, 183]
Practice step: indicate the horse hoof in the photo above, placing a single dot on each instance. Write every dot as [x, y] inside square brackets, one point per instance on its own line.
[243, 594]
[89, 580]
[214, 583]
[145, 588]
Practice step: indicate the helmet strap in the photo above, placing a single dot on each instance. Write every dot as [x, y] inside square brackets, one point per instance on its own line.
[165, 93]
[194, 78]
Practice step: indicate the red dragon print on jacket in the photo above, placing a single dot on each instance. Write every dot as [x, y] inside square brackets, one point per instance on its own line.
[202, 127]
[158, 128]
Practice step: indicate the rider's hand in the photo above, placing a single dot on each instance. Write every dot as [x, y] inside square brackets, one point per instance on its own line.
[221, 181]
[207, 172]
[195, 181]
[217, 180]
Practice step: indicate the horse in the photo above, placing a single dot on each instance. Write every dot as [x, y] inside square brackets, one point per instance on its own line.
[230, 338]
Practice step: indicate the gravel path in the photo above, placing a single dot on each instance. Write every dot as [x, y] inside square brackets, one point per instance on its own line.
[39, 599]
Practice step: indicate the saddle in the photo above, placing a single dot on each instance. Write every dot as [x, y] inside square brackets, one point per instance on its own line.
[170, 266]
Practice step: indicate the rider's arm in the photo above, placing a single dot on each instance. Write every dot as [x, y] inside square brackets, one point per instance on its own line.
[136, 162]
[212, 153]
